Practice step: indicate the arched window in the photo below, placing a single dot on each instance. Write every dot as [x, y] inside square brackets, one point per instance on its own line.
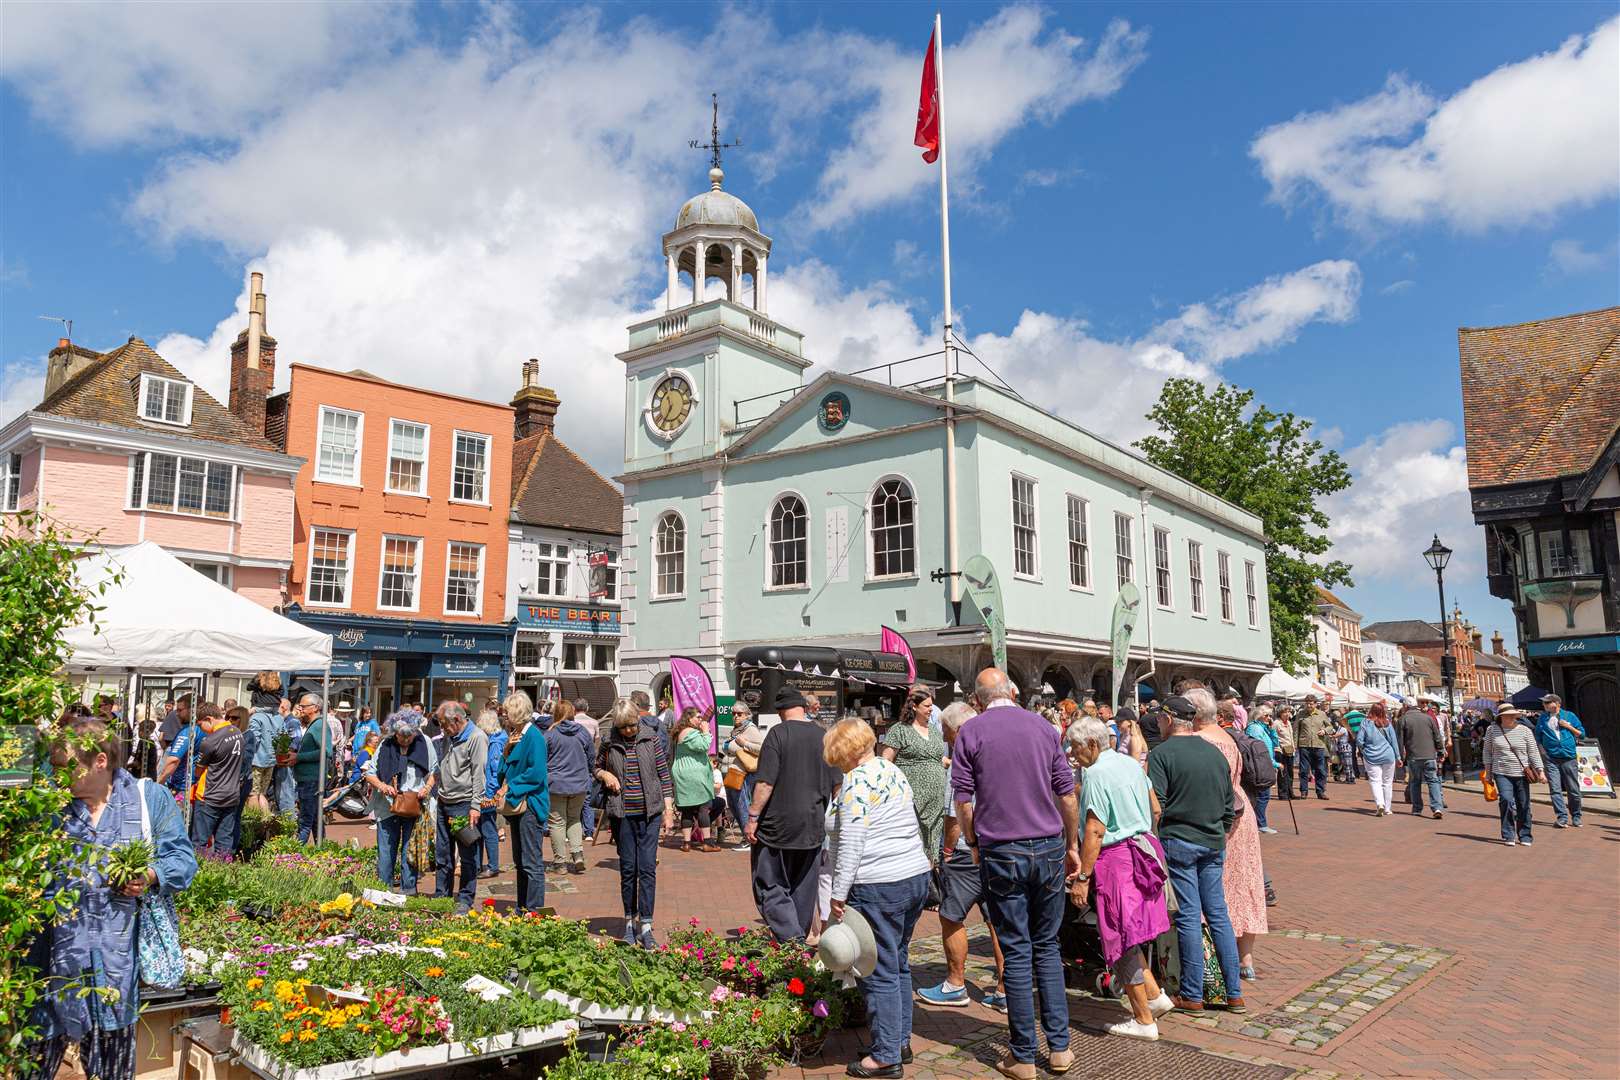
[894, 530]
[789, 547]
[669, 556]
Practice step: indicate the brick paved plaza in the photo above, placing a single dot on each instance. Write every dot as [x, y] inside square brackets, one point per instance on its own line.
[1401, 947]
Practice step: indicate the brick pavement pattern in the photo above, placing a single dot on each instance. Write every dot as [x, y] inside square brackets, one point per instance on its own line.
[1401, 947]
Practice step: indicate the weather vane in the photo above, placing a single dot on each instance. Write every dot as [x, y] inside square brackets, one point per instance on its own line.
[714, 145]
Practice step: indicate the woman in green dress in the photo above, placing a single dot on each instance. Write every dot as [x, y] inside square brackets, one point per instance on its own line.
[693, 773]
[918, 750]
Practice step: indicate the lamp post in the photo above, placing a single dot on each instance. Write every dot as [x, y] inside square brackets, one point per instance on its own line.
[1437, 556]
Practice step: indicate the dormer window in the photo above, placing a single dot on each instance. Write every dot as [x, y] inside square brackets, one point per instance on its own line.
[165, 401]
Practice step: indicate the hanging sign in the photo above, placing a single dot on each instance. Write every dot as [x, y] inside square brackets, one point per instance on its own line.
[692, 688]
[1126, 608]
[985, 592]
[599, 574]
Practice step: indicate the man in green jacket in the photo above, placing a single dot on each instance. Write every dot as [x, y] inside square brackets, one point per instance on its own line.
[307, 768]
[1311, 739]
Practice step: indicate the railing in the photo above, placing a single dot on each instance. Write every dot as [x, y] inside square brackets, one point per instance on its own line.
[671, 326]
[762, 328]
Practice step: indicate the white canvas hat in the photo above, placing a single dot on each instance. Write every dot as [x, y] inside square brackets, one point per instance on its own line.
[849, 946]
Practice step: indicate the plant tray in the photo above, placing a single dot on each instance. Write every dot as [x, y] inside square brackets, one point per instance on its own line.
[621, 1014]
[413, 1059]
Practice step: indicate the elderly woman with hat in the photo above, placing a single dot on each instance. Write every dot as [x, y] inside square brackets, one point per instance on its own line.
[401, 774]
[882, 869]
[1513, 760]
[1122, 869]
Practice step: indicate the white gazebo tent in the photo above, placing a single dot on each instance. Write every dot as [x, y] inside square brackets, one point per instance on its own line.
[1279, 684]
[162, 616]
[1358, 695]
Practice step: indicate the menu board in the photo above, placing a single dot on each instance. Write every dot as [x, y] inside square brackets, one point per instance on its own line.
[1595, 776]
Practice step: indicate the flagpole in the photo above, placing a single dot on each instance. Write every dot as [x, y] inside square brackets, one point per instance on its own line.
[951, 552]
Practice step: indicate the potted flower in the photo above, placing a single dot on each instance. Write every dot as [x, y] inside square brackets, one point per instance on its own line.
[281, 742]
[464, 831]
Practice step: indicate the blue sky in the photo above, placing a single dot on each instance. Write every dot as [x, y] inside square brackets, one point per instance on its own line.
[1303, 199]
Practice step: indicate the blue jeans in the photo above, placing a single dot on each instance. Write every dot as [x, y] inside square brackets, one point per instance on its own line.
[737, 802]
[285, 788]
[1312, 762]
[528, 831]
[394, 842]
[216, 823]
[892, 907]
[587, 813]
[309, 808]
[1421, 771]
[1513, 803]
[1195, 874]
[489, 830]
[637, 838]
[1564, 782]
[448, 852]
[1261, 800]
[1023, 891]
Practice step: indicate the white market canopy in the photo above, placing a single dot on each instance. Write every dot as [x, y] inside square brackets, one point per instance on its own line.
[164, 616]
[1357, 694]
[1279, 684]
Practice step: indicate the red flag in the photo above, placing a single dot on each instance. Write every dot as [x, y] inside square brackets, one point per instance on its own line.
[928, 108]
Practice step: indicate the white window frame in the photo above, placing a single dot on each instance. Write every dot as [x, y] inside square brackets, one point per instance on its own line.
[1251, 595]
[11, 481]
[382, 572]
[545, 558]
[144, 504]
[348, 568]
[149, 380]
[771, 543]
[1084, 542]
[489, 448]
[388, 471]
[657, 574]
[612, 668]
[1195, 578]
[222, 573]
[1223, 574]
[359, 445]
[871, 530]
[1034, 528]
[1124, 548]
[1164, 581]
[542, 642]
[478, 591]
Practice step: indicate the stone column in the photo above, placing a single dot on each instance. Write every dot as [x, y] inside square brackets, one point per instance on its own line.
[674, 280]
[759, 285]
[699, 250]
[736, 272]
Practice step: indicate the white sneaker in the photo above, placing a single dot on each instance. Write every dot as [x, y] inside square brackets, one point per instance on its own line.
[1268, 830]
[1161, 1005]
[1511, 843]
[1132, 1030]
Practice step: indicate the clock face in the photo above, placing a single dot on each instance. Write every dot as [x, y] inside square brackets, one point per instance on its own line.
[671, 404]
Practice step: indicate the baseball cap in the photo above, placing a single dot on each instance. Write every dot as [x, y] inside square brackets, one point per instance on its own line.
[1180, 707]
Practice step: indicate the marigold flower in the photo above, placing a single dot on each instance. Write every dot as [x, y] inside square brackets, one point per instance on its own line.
[434, 972]
[286, 1036]
[308, 1036]
[254, 983]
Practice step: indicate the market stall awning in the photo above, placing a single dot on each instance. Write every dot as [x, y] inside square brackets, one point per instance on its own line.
[161, 615]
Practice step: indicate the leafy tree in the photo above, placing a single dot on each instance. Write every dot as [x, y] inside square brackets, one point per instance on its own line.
[1265, 462]
[40, 599]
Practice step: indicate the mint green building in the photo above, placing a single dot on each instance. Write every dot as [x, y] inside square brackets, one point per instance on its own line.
[769, 505]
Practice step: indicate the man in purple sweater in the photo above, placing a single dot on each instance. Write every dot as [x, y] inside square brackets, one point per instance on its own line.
[1014, 795]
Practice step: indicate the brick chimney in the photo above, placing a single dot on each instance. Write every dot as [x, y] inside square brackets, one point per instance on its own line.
[64, 362]
[253, 361]
[534, 406]
[1498, 646]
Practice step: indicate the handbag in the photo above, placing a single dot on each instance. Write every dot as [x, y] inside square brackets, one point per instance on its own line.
[510, 809]
[406, 804]
[157, 926]
[1488, 786]
[736, 777]
[1531, 775]
[746, 759]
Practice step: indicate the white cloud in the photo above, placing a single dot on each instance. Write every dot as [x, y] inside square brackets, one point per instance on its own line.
[999, 76]
[1410, 481]
[22, 384]
[1270, 314]
[113, 73]
[1518, 145]
[1398, 287]
[1571, 258]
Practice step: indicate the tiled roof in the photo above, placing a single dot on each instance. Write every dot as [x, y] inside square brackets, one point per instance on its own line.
[1323, 596]
[1485, 659]
[1402, 631]
[552, 486]
[1540, 399]
[105, 392]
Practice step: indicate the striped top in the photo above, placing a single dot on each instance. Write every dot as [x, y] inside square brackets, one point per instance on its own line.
[1508, 752]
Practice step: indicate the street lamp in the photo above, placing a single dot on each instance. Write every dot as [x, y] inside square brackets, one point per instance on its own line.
[1437, 556]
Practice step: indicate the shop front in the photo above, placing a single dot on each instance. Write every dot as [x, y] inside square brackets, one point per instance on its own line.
[385, 663]
[568, 650]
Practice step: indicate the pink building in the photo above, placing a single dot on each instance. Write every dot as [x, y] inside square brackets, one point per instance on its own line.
[126, 448]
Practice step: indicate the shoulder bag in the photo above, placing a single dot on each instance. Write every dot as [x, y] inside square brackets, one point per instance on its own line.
[406, 804]
[1532, 775]
[157, 924]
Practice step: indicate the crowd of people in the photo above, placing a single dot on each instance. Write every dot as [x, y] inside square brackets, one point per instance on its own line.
[1056, 820]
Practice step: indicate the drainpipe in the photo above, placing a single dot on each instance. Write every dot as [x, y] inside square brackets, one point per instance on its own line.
[1144, 496]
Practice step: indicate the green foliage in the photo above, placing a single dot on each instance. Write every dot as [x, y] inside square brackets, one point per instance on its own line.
[1265, 462]
[40, 599]
[128, 862]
